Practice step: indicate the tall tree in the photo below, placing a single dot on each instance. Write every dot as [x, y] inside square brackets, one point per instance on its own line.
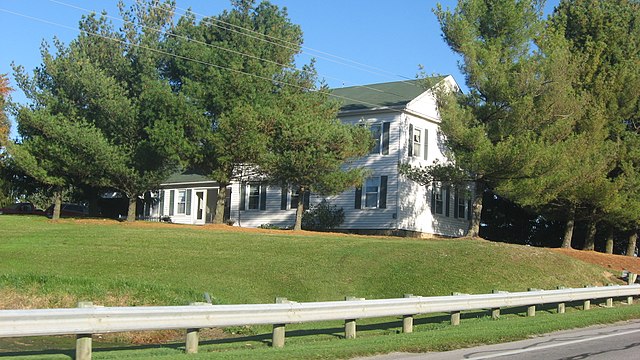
[106, 86]
[240, 56]
[309, 148]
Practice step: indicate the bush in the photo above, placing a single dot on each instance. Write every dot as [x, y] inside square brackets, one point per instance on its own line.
[322, 217]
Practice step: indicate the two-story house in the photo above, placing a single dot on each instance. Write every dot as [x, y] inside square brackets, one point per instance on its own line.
[404, 121]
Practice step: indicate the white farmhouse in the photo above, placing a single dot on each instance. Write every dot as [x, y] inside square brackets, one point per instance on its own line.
[404, 121]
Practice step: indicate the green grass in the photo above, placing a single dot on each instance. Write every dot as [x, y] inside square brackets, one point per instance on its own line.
[121, 264]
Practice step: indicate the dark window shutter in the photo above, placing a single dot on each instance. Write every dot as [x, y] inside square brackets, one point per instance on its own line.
[455, 204]
[283, 197]
[469, 210]
[425, 139]
[305, 200]
[243, 195]
[188, 204]
[385, 138]
[358, 198]
[383, 192]
[410, 140]
[448, 201]
[161, 212]
[172, 199]
[433, 198]
[263, 197]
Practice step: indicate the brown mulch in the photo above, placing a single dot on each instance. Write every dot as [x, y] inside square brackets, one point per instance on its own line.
[615, 263]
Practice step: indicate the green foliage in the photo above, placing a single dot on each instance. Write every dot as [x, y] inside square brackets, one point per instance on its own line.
[322, 217]
[541, 124]
[101, 113]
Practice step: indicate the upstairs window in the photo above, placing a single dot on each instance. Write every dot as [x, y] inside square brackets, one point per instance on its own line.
[376, 135]
[418, 144]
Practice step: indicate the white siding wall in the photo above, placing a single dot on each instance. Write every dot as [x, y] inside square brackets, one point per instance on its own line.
[182, 218]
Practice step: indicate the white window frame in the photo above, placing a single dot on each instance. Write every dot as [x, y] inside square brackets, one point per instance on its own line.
[251, 196]
[377, 149]
[417, 145]
[181, 201]
[439, 194]
[370, 183]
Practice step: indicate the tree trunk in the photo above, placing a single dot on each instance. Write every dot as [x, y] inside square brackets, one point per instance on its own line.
[590, 240]
[131, 213]
[568, 230]
[300, 209]
[474, 226]
[218, 218]
[609, 246]
[631, 244]
[57, 203]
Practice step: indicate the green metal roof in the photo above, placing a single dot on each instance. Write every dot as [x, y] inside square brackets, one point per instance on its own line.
[389, 94]
[182, 178]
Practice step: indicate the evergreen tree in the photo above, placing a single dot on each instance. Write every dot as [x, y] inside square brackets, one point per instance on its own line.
[101, 113]
[241, 57]
[309, 148]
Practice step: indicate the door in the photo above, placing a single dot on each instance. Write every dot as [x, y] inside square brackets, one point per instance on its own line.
[200, 207]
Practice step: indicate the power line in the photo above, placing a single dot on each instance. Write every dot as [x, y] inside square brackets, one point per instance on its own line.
[187, 58]
[287, 66]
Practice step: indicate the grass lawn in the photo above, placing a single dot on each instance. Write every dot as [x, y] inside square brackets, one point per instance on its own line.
[56, 264]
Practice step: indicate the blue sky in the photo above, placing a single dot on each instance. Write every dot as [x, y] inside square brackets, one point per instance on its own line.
[387, 40]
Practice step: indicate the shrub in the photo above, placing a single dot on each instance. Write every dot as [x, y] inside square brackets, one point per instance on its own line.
[322, 217]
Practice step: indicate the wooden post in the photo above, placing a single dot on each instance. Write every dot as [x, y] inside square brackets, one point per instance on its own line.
[586, 305]
[193, 335]
[350, 324]
[531, 310]
[561, 306]
[609, 302]
[495, 312]
[278, 336]
[455, 315]
[455, 318]
[83, 341]
[631, 278]
[407, 320]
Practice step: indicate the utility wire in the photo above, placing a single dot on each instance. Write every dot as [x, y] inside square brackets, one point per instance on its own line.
[163, 32]
[188, 59]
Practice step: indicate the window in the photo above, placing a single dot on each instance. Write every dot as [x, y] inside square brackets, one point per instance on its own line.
[254, 196]
[372, 188]
[376, 135]
[182, 201]
[417, 142]
[374, 195]
[438, 200]
[440, 195]
[463, 204]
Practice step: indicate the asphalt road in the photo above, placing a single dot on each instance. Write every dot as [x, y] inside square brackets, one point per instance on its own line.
[615, 342]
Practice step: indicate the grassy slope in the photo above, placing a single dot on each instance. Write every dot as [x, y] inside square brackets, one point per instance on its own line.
[163, 264]
[121, 264]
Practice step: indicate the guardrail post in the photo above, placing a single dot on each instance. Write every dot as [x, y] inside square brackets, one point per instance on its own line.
[350, 324]
[83, 341]
[561, 306]
[193, 336]
[609, 302]
[531, 309]
[586, 305]
[495, 312]
[277, 339]
[407, 320]
[455, 315]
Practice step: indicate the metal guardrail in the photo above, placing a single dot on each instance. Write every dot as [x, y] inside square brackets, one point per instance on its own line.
[99, 320]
